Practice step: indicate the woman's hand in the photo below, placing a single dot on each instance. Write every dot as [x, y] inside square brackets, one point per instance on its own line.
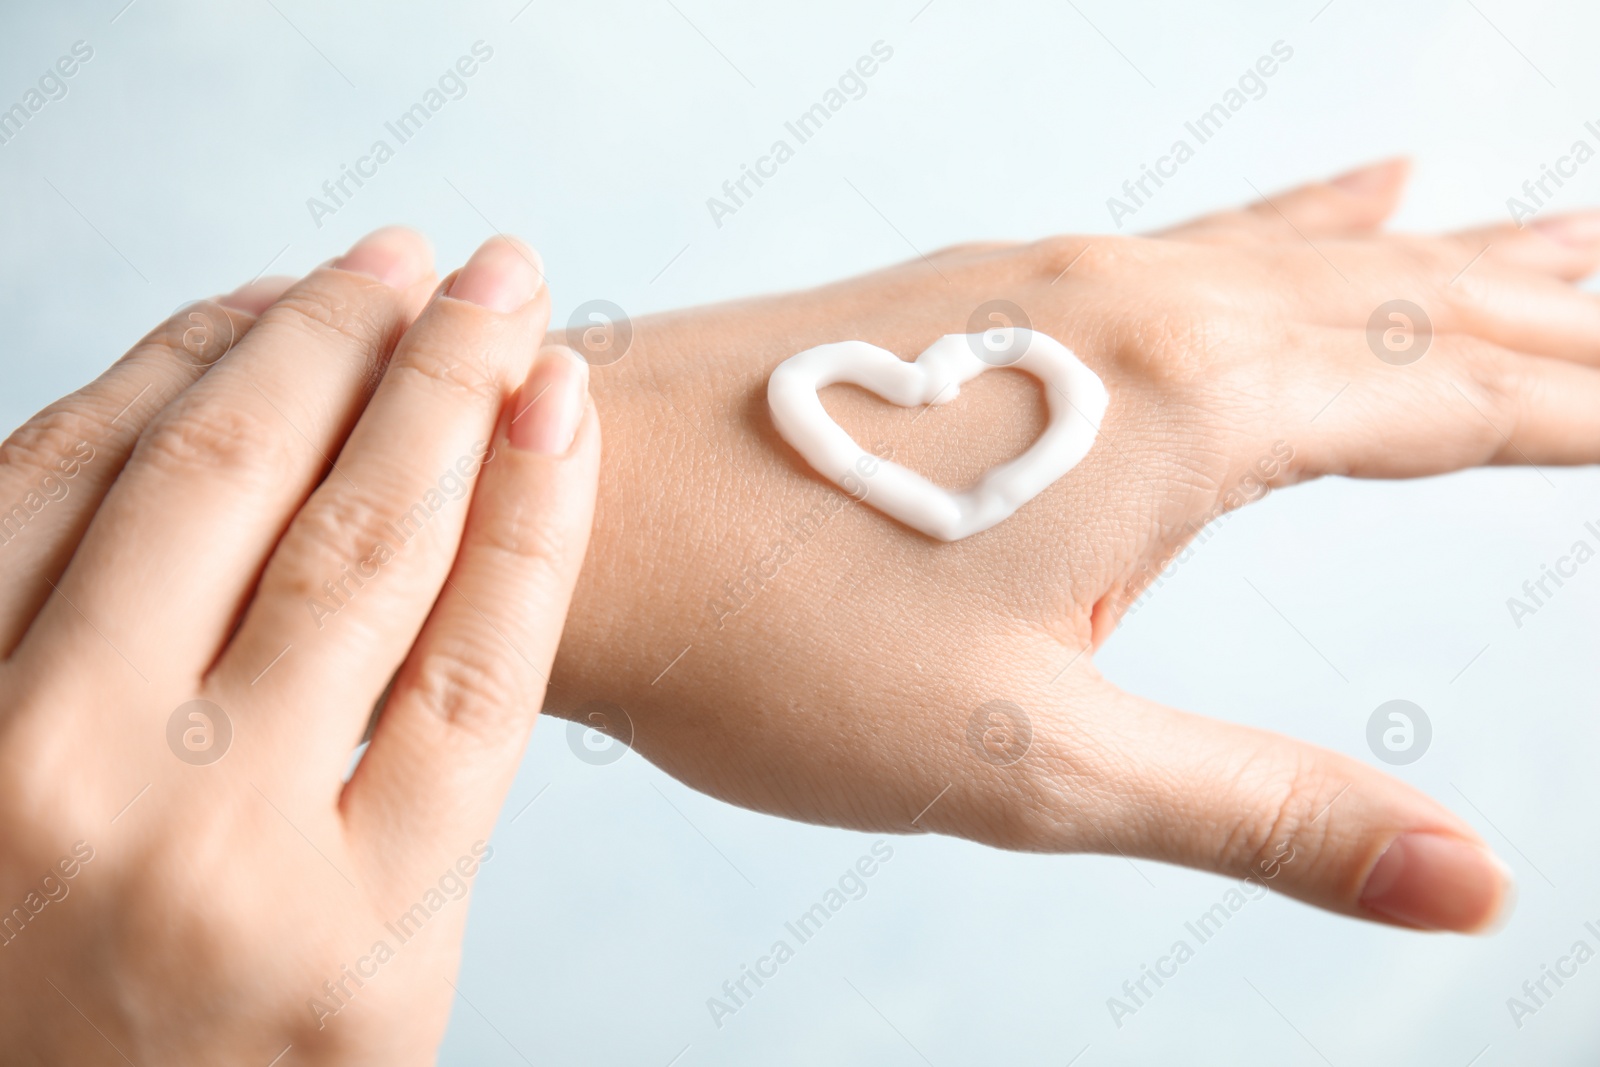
[216, 565]
[774, 644]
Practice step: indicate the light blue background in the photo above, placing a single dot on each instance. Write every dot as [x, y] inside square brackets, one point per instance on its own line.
[618, 901]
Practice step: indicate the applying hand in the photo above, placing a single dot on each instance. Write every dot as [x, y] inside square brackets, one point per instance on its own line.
[229, 545]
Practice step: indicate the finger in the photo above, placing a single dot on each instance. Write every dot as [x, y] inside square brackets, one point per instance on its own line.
[361, 565]
[172, 555]
[1313, 824]
[1450, 291]
[452, 735]
[256, 296]
[56, 468]
[1356, 202]
[1561, 246]
[1353, 203]
[1465, 403]
[1525, 311]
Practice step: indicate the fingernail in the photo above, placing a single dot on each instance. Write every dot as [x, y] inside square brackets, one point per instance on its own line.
[551, 403]
[502, 275]
[1580, 231]
[1437, 882]
[396, 256]
[1371, 179]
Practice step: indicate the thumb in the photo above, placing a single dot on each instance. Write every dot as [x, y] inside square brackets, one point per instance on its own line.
[1310, 823]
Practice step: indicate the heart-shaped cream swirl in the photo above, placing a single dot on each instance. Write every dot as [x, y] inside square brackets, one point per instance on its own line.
[1075, 395]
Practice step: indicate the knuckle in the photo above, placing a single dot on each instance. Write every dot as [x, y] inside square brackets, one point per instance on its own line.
[209, 436]
[1286, 819]
[1039, 802]
[49, 439]
[1493, 384]
[1186, 351]
[457, 370]
[524, 536]
[1050, 257]
[345, 527]
[342, 311]
[469, 685]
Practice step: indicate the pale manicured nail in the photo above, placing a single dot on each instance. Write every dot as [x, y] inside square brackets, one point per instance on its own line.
[502, 275]
[1438, 882]
[1367, 180]
[396, 256]
[551, 403]
[1579, 231]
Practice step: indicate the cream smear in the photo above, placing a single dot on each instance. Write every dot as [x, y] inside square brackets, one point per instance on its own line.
[1075, 394]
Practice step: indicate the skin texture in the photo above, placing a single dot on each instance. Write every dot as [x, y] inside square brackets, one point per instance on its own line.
[833, 676]
[160, 909]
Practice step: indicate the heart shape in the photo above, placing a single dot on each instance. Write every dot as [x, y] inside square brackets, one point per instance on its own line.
[1076, 396]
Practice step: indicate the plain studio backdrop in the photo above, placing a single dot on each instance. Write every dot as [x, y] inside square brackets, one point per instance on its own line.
[180, 163]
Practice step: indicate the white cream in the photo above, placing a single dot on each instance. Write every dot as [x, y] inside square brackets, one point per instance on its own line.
[1077, 401]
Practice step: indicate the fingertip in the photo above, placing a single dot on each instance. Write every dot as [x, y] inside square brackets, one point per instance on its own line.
[1579, 229]
[1436, 881]
[397, 256]
[502, 275]
[552, 403]
[1508, 904]
[1355, 202]
[1384, 178]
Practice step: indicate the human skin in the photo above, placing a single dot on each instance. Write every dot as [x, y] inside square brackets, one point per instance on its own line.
[832, 678]
[209, 903]
[169, 898]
